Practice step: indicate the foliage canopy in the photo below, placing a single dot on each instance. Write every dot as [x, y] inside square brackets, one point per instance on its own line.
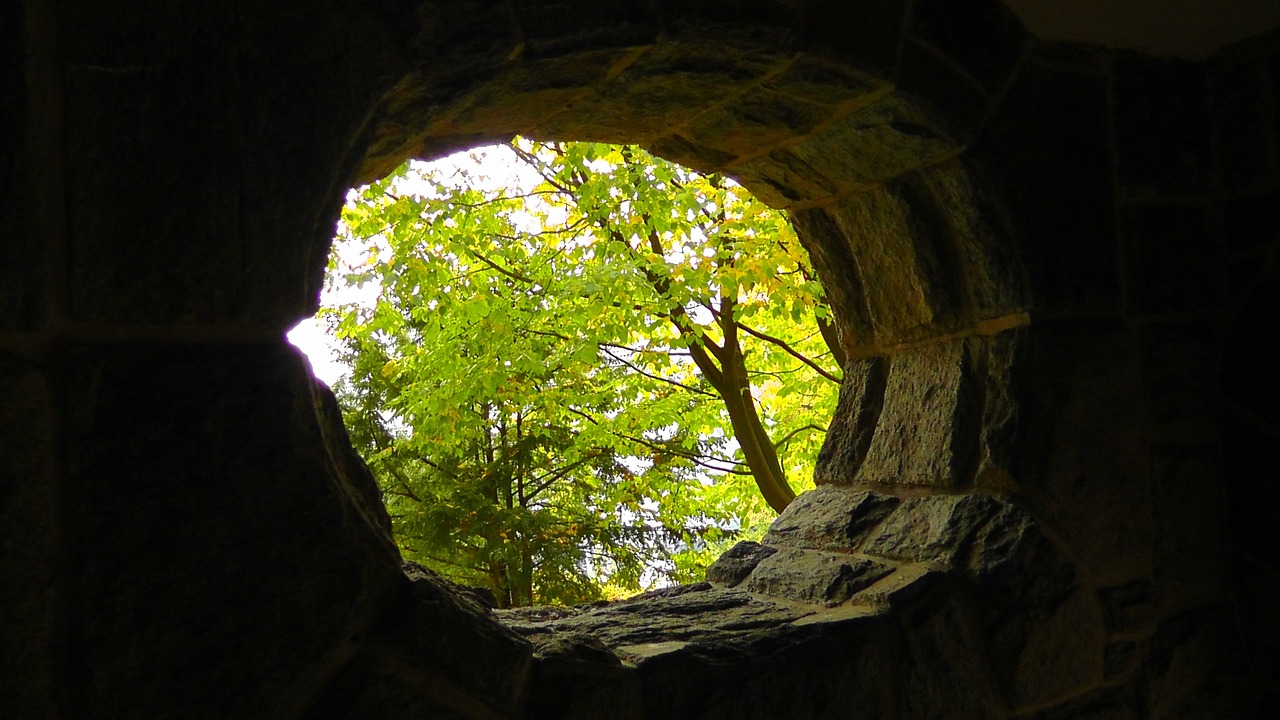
[569, 385]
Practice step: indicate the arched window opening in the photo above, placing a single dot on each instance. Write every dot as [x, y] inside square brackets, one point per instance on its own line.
[576, 370]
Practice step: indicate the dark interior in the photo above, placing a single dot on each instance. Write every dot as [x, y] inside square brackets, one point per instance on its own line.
[1054, 259]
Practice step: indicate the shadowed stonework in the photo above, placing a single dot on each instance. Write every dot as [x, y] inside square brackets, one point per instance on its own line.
[1053, 268]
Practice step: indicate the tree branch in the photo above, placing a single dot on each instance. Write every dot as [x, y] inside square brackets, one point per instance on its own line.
[659, 378]
[787, 438]
[790, 351]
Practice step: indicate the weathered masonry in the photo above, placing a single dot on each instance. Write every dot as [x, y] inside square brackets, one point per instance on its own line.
[1056, 270]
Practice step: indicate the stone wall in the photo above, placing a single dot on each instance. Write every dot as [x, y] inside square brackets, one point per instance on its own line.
[1053, 267]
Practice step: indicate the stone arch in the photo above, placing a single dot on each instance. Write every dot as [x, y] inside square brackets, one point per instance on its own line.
[187, 534]
[860, 137]
[928, 290]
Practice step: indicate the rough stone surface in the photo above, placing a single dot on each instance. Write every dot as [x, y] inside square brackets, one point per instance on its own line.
[945, 88]
[1014, 563]
[737, 563]
[1108, 704]
[139, 113]
[875, 144]
[832, 258]
[990, 276]
[1047, 154]
[857, 412]
[935, 634]
[1240, 120]
[29, 508]
[661, 617]
[933, 529]
[830, 517]
[1184, 670]
[1161, 105]
[997, 443]
[1043, 654]
[366, 690]
[20, 252]
[436, 635]
[903, 303]
[175, 463]
[815, 577]
[577, 677]
[1084, 423]
[927, 432]
[184, 531]
[1174, 272]
[1191, 538]
[987, 42]
[1178, 378]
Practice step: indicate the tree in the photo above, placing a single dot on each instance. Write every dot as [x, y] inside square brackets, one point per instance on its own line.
[551, 383]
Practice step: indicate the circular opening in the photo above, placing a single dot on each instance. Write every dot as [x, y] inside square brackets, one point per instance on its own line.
[577, 370]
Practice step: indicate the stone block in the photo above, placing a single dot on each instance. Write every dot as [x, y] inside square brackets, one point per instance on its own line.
[830, 252]
[1119, 661]
[21, 253]
[1041, 657]
[1014, 565]
[956, 100]
[824, 82]
[217, 512]
[184, 264]
[453, 647]
[1248, 444]
[1192, 547]
[864, 35]
[1274, 72]
[850, 431]
[875, 143]
[903, 296]
[981, 36]
[1105, 704]
[1250, 226]
[368, 690]
[989, 273]
[1180, 382]
[830, 517]
[1083, 447]
[1045, 152]
[577, 678]
[781, 179]
[997, 443]
[1194, 670]
[702, 158]
[1130, 609]
[938, 674]
[29, 541]
[933, 529]
[738, 561]
[701, 615]
[997, 546]
[251, 181]
[661, 92]
[756, 122]
[555, 28]
[522, 96]
[1174, 270]
[1251, 347]
[1240, 118]
[928, 430]
[813, 577]
[837, 669]
[1162, 127]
